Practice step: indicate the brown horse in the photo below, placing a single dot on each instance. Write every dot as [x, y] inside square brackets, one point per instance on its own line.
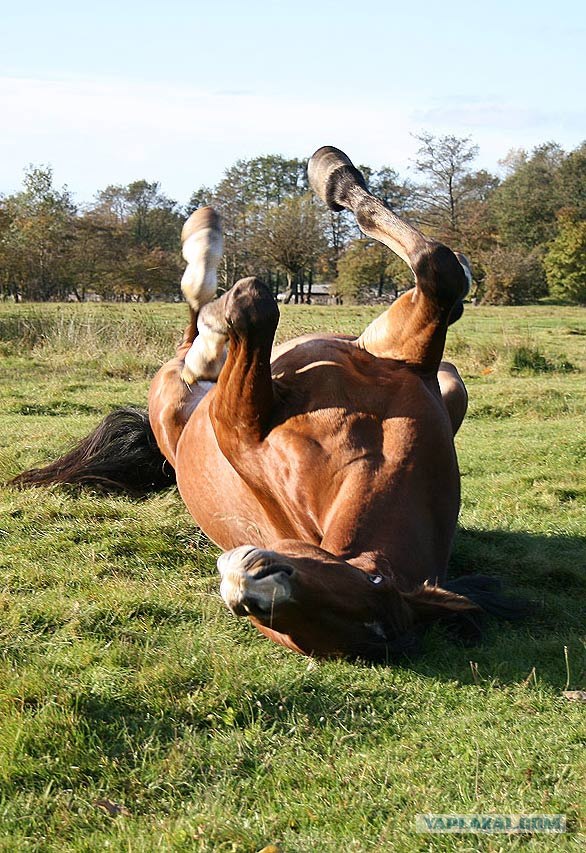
[325, 468]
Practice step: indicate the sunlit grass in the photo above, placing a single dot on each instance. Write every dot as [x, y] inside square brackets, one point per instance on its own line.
[123, 677]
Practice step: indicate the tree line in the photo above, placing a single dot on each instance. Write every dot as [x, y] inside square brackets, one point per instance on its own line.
[524, 232]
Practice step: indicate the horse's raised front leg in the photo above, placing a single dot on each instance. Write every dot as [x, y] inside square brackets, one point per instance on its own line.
[202, 247]
[182, 383]
[414, 328]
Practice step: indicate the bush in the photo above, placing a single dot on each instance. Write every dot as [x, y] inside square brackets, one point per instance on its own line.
[513, 277]
[526, 359]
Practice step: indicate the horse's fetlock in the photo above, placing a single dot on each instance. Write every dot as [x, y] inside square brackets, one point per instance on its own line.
[439, 273]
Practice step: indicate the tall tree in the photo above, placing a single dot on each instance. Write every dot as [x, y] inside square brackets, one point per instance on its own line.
[154, 219]
[291, 237]
[524, 205]
[570, 180]
[444, 163]
[565, 261]
[200, 197]
[387, 185]
[247, 192]
[133, 234]
[151, 219]
[98, 256]
[37, 234]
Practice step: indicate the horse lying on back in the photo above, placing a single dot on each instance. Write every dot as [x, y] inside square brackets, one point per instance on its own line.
[324, 468]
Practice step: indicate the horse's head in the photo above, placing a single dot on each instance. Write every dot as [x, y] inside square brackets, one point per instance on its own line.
[318, 604]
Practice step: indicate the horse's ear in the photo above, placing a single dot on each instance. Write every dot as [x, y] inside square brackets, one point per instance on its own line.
[433, 602]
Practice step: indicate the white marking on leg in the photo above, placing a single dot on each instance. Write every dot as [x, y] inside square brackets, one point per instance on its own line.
[202, 250]
[206, 356]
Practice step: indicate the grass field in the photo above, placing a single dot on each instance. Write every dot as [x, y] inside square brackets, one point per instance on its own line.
[123, 678]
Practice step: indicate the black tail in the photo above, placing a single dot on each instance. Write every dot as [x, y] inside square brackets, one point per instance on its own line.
[121, 454]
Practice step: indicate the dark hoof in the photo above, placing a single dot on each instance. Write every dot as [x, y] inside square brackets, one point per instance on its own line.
[332, 175]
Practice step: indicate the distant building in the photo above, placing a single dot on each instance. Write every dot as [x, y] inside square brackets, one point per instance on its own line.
[321, 294]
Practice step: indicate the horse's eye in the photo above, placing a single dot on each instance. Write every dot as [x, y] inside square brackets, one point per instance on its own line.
[375, 579]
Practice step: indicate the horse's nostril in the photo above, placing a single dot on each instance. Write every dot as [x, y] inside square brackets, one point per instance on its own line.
[255, 589]
[272, 569]
[257, 563]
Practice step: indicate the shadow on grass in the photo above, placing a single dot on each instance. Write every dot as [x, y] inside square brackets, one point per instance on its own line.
[549, 572]
[197, 708]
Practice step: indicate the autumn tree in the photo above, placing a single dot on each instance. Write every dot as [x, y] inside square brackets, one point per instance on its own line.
[149, 217]
[126, 244]
[247, 191]
[36, 235]
[513, 277]
[133, 235]
[96, 256]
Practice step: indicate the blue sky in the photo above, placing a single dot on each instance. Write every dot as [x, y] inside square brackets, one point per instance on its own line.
[178, 91]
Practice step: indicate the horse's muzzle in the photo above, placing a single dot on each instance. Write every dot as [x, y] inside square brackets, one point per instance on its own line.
[254, 581]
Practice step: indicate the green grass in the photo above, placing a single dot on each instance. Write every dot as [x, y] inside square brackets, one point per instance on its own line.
[122, 675]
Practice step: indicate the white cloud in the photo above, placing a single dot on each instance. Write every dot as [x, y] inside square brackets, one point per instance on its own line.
[96, 132]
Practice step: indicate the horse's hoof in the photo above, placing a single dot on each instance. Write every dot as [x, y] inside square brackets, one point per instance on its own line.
[465, 263]
[332, 175]
[203, 217]
[251, 307]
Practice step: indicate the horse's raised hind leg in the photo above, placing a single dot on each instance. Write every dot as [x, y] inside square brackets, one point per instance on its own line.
[181, 384]
[414, 328]
[202, 247]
